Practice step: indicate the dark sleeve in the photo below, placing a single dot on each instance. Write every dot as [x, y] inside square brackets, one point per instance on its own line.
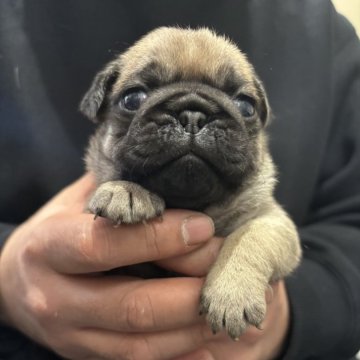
[324, 292]
[5, 231]
[15, 346]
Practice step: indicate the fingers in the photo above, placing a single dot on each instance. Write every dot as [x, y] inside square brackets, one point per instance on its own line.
[154, 346]
[199, 354]
[148, 328]
[197, 262]
[82, 245]
[78, 244]
[155, 319]
[133, 305]
[141, 306]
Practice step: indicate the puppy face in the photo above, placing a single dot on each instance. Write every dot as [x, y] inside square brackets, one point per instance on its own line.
[181, 113]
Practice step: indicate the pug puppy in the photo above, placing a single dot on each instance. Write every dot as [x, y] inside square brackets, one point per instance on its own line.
[181, 124]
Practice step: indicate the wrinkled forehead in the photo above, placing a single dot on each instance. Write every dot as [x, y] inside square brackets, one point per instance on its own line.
[167, 55]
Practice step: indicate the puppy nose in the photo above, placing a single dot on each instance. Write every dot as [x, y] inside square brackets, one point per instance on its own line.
[192, 121]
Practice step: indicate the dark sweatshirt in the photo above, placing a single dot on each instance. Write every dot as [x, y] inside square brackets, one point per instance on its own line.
[309, 59]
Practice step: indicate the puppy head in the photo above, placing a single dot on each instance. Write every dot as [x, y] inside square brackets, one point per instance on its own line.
[181, 113]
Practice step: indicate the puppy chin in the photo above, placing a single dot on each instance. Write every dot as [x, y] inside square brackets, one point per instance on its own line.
[188, 182]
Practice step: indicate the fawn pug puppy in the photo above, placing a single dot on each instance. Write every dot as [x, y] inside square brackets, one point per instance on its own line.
[182, 119]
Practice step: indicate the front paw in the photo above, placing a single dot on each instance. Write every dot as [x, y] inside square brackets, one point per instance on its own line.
[125, 202]
[233, 304]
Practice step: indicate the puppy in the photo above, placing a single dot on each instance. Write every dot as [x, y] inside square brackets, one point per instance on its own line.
[182, 119]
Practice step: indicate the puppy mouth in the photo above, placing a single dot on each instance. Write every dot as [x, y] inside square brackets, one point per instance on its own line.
[191, 165]
[188, 153]
[188, 181]
[185, 176]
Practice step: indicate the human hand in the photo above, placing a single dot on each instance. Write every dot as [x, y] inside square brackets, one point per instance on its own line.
[53, 289]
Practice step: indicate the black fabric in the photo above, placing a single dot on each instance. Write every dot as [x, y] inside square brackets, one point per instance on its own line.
[309, 59]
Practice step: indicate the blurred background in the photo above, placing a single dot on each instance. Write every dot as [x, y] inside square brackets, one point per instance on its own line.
[351, 9]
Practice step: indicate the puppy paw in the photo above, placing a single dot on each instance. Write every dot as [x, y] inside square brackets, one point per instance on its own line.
[125, 202]
[233, 305]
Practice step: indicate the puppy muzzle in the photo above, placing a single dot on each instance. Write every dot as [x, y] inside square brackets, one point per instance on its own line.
[187, 145]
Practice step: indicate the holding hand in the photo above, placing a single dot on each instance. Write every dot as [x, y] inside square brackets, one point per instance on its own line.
[53, 289]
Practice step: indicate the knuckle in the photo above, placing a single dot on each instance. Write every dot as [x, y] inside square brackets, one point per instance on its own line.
[139, 313]
[29, 251]
[86, 241]
[35, 240]
[39, 306]
[152, 239]
[93, 243]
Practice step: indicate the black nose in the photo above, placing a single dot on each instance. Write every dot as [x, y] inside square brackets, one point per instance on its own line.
[192, 121]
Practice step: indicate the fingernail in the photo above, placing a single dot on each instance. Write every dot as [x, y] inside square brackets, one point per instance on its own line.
[197, 229]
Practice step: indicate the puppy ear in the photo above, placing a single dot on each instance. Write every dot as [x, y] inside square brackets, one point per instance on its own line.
[265, 111]
[95, 97]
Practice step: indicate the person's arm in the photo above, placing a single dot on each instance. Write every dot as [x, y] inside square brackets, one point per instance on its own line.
[325, 292]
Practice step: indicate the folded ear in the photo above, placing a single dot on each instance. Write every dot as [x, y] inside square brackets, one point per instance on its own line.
[95, 97]
[265, 111]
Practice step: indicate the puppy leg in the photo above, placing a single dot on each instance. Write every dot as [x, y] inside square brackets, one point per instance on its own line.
[264, 249]
[125, 202]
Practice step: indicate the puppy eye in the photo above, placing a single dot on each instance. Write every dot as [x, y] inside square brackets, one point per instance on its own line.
[246, 105]
[133, 99]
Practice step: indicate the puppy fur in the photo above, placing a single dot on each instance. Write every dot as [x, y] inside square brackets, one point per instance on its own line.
[216, 160]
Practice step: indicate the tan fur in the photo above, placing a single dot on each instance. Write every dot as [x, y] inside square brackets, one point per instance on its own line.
[253, 198]
[193, 53]
[261, 243]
